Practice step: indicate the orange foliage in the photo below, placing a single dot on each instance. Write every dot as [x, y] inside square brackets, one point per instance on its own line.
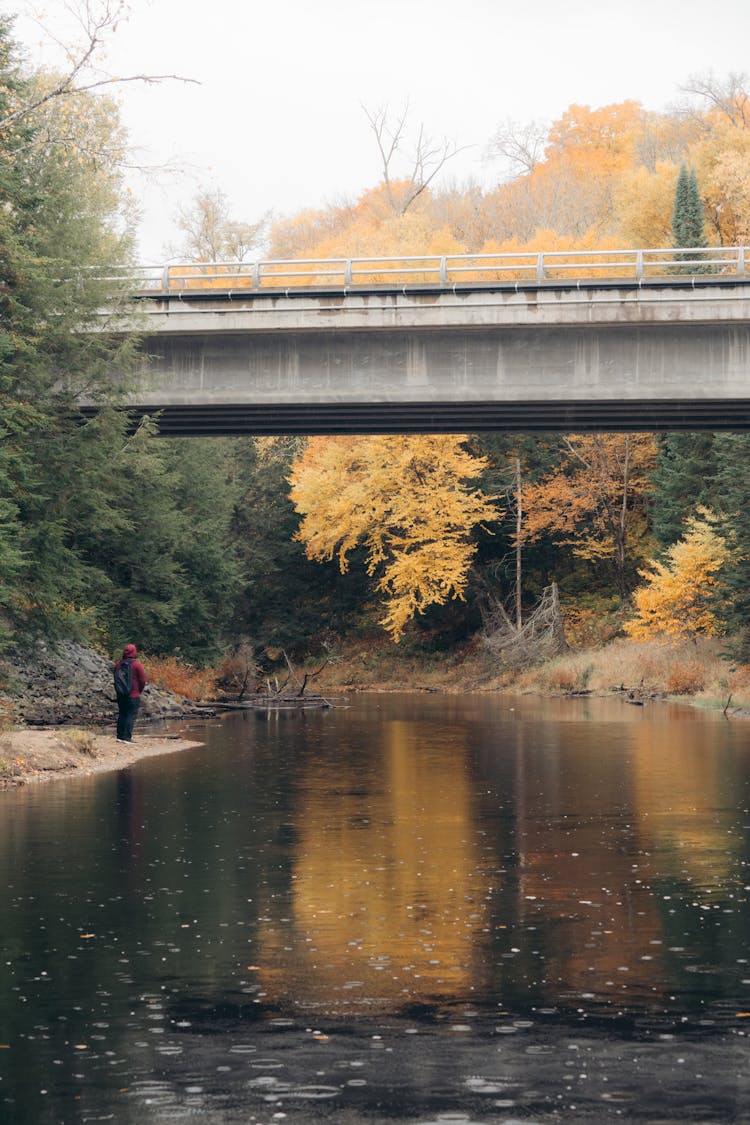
[687, 677]
[594, 500]
[605, 181]
[169, 673]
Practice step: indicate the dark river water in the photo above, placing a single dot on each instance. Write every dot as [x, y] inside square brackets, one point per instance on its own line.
[408, 908]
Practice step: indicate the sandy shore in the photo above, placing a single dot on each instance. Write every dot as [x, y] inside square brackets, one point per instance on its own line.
[41, 754]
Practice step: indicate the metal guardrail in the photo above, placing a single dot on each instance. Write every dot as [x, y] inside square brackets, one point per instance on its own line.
[440, 271]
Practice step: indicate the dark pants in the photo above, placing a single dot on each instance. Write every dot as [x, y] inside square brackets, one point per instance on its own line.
[127, 709]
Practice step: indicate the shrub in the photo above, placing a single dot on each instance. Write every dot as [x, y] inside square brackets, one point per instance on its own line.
[239, 673]
[82, 741]
[183, 679]
[592, 622]
[686, 678]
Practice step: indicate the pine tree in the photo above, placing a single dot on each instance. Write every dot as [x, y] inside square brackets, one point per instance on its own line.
[688, 225]
[733, 488]
[284, 597]
[683, 479]
[59, 211]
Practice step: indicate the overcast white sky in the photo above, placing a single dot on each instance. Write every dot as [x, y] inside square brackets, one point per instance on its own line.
[277, 119]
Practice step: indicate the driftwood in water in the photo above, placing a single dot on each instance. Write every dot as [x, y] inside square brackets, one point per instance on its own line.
[262, 701]
[540, 637]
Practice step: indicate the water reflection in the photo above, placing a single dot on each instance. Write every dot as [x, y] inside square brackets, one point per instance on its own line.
[480, 865]
[542, 857]
[389, 891]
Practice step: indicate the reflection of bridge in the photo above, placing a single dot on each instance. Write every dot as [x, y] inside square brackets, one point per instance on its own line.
[650, 340]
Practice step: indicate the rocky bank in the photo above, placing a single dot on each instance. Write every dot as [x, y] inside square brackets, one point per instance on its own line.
[68, 683]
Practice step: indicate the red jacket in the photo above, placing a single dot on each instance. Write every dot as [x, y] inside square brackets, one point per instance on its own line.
[139, 677]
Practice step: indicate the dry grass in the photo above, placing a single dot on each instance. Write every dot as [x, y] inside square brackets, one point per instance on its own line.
[684, 669]
[182, 679]
[80, 741]
[646, 668]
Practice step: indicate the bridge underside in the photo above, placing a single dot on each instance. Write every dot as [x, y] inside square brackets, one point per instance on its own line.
[450, 364]
[435, 418]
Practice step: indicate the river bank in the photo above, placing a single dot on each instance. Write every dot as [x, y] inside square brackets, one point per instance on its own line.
[692, 672]
[71, 688]
[37, 754]
[57, 716]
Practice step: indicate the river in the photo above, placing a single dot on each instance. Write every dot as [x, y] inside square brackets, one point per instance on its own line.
[475, 909]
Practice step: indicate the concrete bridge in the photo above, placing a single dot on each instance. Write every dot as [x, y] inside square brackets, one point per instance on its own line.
[227, 351]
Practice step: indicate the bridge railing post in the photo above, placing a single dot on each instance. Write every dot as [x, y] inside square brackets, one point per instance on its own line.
[540, 267]
[741, 262]
[444, 271]
[639, 264]
[348, 272]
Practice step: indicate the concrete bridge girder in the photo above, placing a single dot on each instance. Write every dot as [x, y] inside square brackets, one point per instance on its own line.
[634, 358]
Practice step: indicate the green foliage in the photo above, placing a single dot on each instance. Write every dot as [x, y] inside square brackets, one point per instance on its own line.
[207, 591]
[683, 480]
[59, 214]
[688, 224]
[285, 599]
[733, 490]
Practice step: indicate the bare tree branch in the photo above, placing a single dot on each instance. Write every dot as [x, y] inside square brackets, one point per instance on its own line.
[211, 235]
[427, 158]
[97, 19]
[521, 146]
[730, 96]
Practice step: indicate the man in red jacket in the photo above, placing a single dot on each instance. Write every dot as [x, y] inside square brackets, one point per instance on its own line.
[128, 704]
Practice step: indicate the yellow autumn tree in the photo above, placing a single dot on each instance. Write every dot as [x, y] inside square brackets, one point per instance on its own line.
[676, 597]
[408, 500]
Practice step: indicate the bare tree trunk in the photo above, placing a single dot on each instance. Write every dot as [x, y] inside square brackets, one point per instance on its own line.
[427, 158]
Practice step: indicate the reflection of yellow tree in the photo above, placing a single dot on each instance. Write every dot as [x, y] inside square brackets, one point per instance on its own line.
[678, 784]
[604, 904]
[388, 895]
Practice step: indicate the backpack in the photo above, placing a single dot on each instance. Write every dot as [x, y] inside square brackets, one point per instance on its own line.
[124, 678]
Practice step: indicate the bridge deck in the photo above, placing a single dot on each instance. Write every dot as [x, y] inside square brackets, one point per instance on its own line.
[642, 353]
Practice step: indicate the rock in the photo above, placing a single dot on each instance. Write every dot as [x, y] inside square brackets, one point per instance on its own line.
[73, 684]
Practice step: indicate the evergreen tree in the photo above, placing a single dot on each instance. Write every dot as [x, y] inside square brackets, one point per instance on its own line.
[208, 592]
[60, 212]
[285, 599]
[683, 480]
[733, 490]
[688, 224]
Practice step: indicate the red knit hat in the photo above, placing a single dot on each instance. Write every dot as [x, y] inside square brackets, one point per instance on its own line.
[129, 652]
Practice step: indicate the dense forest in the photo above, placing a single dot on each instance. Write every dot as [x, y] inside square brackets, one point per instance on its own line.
[192, 547]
